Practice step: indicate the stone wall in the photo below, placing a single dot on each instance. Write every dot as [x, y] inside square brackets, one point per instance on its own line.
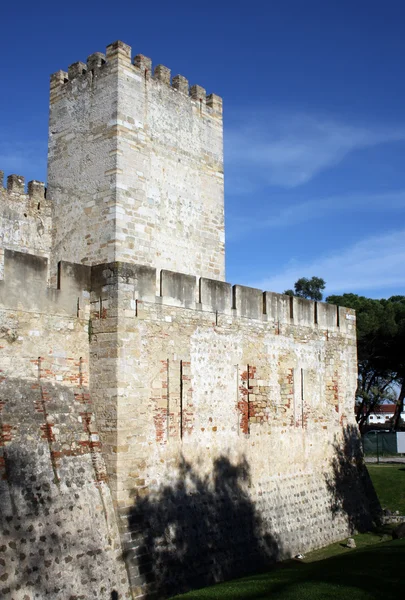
[235, 442]
[135, 167]
[25, 218]
[59, 536]
[196, 429]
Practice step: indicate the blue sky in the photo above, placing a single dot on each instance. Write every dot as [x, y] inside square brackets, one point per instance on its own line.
[314, 113]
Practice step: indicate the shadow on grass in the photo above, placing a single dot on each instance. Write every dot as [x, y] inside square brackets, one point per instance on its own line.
[200, 530]
[370, 573]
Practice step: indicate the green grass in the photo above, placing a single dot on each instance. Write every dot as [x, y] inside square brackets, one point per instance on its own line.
[389, 483]
[370, 572]
[363, 540]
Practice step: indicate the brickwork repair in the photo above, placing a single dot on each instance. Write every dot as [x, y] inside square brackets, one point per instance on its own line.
[160, 428]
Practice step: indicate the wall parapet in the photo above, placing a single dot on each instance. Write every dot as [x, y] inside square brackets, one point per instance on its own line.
[15, 190]
[218, 297]
[25, 217]
[120, 53]
[25, 285]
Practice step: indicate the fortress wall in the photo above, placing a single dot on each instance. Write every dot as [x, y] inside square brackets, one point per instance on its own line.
[136, 166]
[150, 411]
[197, 429]
[236, 438]
[25, 218]
[59, 536]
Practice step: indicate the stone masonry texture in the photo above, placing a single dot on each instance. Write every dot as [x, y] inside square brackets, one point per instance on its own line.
[160, 429]
[25, 218]
[135, 167]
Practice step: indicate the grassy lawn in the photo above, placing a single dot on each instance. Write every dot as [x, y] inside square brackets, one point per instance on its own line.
[389, 483]
[370, 572]
[363, 540]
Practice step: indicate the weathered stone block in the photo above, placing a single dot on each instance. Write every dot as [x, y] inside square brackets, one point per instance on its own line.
[180, 83]
[277, 307]
[248, 302]
[327, 316]
[216, 296]
[15, 184]
[162, 73]
[178, 289]
[303, 312]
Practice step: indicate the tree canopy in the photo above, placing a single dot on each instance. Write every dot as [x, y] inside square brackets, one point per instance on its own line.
[311, 289]
[381, 352]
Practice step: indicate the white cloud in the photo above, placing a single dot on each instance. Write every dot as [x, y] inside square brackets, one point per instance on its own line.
[375, 262]
[287, 150]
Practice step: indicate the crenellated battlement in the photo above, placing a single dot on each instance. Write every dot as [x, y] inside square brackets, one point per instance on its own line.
[25, 285]
[25, 217]
[218, 297]
[119, 53]
[15, 188]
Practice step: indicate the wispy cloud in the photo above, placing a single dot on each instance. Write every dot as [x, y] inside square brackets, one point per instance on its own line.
[287, 150]
[318, 208]
[375, 262]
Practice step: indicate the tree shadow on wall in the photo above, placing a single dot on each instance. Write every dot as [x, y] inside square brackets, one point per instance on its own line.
[35, 545]
[199, 530]
[352, 495]
[48, 545]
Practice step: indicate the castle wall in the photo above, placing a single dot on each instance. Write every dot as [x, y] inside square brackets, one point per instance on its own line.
[59, 536]
[160, 428]
[25, 218]
[236, 443]
[135, 166]
[195, 429]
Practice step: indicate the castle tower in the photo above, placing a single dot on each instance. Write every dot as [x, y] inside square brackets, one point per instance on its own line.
[135, 167]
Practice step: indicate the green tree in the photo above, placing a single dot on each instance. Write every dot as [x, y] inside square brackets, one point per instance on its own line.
[397, 354]
[311, 289]
[380, 348]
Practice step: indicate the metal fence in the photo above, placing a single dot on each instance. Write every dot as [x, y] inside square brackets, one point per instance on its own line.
[383, 444]
[378, 443]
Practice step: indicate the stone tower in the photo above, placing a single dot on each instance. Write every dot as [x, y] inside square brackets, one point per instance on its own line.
[135, 168]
